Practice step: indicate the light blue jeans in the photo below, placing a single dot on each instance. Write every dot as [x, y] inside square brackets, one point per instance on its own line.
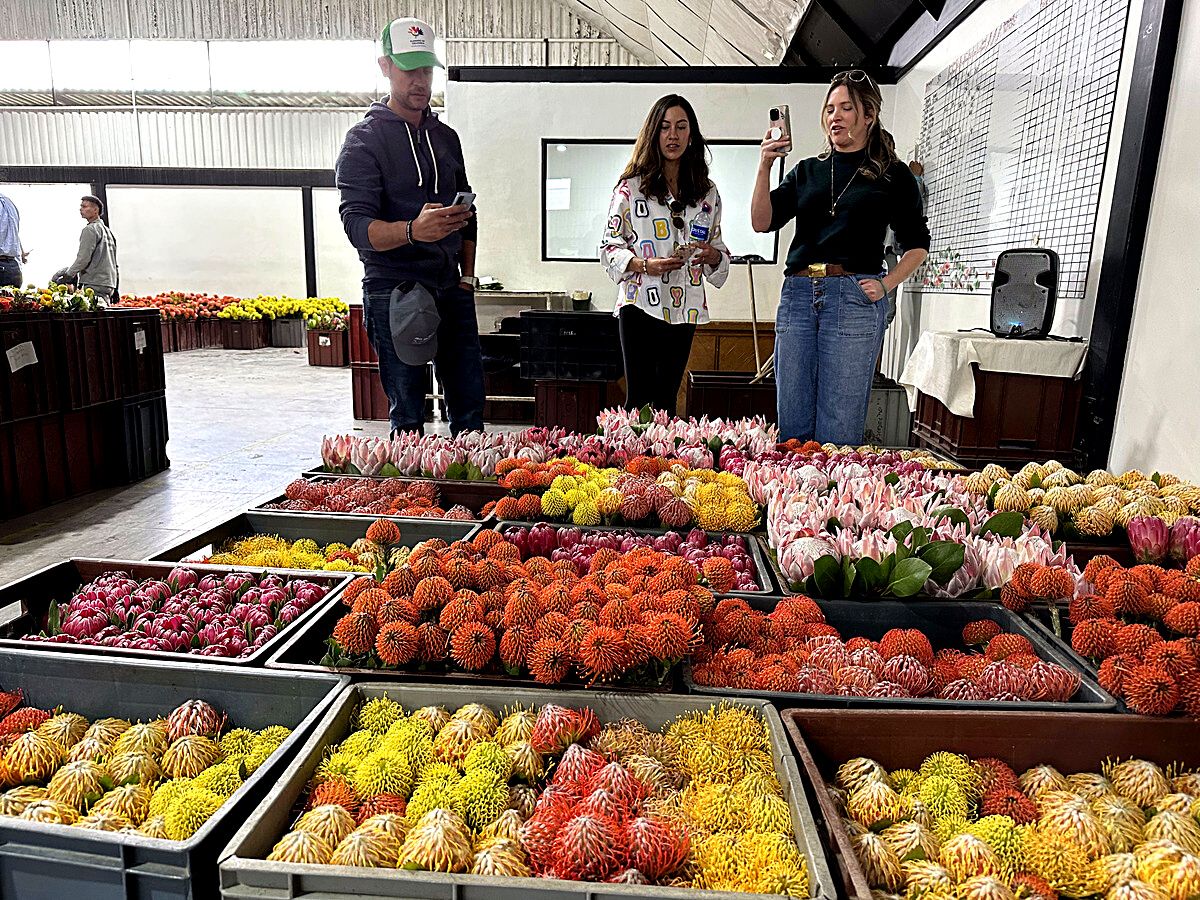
[827, 339]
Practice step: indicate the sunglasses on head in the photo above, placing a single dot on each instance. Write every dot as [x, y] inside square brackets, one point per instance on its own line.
[855, 75]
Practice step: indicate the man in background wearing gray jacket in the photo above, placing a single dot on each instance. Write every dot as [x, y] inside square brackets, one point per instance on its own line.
[95, 265]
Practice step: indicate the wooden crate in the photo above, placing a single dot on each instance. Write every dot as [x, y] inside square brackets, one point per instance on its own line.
[730, 395]
[361, 350]
[246, 334]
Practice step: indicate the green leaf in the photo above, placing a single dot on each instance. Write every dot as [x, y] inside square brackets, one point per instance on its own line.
[352, 469]
[945, 558]
[887, 565]
[1005, 524]
[827, 576]
[474, 473]
[955, 515]
[1157, 479]
[1035, 480]
[891, 478]
[833, 524]
[714, 444]
[870, 573]
[901, 530]
[646, 415]
[849, 572]
[390, 471]
[53, 620]
[456, 472]
[918, 538]
[910, 576]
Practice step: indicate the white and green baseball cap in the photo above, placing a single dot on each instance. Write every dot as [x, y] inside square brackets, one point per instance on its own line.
[409, 43]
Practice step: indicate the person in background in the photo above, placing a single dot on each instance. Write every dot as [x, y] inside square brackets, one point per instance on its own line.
[398, 172]
[662, 243]
[95, 265]
[12, 252]
[830, 323]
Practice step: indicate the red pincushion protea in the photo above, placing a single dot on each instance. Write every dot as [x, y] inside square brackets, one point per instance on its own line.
[909, 673]
[1052, 682]
[1052, 583]
[397, 611]
[553, 728]
[337, 791]
[980, 632]
[888, 689]
[1004, 645]
[1184, 618]
[577, 768]
[773, 678]
[378, 804]
[944, 672]
[1135, 639]
[370, 600]
[829, 656]
[669, 636]
[1151, 691]
[397, 643]
[1176, 657]
[813, 680]
[1113, 672]
[384, 532]
[907, 642]
[472, 646]
[1089, 606]
[1097, 564]
[861, 643]
[1004, 678]
[962, 689]
[435, 642]
[1189, 694]
[589, 848]
[9, 700]
[996, 773]
[356, 587]
[194, 717]
[26, 719]
[1009, 801]
[603, 653]
[1031, 887]
[868, 658]
[619, 781]
[355, 632]
[657, 846]
[1013, 599]
[549, 660]
[1093, 638]
[854, 681]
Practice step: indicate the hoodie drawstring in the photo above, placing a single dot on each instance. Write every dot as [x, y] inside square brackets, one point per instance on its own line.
[416, 162]
[433, 155]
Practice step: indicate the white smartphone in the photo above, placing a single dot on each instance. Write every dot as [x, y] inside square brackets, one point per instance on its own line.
[781, 125]
[464, 198]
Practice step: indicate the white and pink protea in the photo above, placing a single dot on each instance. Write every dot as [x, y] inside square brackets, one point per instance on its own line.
[194, 717]
[370, 455]
[437, 458]
[335, 452]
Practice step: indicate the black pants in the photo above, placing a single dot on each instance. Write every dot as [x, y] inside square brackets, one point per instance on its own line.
[10, 272]
[655, 354]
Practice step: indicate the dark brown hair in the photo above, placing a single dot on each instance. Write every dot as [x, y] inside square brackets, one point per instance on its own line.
[646, 164]
[881, 146]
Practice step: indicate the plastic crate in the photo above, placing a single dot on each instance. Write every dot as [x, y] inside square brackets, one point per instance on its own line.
[52, 862]
[168, 336]
[889, 422]
[942, 622]
[246, 334]
[449, 530]
[769, 592]
[140, 348]
[25, 603]
[573, 405]
[89, 358]
[324, 529]
[578, 346]
[730, 395]
[361, 350]
[212, 335]
[1071, 742]
[245, 872]
[34, 389]
[33, 464]
[287, 331]
[140, 446]
[186, 334]
[327, 348]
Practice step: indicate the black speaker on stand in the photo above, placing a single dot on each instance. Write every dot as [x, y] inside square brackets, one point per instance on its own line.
[1024, 292]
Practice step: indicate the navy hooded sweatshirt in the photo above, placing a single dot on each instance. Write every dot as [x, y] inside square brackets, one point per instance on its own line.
[388, 170]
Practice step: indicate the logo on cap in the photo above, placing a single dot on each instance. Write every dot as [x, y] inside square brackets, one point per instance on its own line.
[415, 30]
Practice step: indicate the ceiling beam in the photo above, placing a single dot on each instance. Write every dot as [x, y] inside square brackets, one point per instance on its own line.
[849, 27]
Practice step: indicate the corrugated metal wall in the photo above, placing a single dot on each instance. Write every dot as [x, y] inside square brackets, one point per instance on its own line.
[284, 19]
[252, 138]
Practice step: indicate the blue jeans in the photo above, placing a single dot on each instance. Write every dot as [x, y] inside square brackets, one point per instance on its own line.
[10, 272]
[459, 362]
[827, 339]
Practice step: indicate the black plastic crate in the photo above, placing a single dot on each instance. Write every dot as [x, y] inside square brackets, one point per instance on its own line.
[142, 450]
[579, 346]
[942, 622]
[31, 380]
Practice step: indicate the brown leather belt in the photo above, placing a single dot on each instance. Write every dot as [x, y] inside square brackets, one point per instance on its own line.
[820, 270]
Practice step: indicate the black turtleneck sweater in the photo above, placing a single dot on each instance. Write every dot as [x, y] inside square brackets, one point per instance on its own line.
[853, 237]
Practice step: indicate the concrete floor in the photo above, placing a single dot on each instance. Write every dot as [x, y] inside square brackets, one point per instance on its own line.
[242, 423]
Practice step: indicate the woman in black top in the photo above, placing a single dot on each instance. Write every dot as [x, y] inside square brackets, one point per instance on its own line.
[830, 322]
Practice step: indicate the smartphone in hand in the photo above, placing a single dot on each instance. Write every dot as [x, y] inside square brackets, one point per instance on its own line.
[781, 125]
[464, 198]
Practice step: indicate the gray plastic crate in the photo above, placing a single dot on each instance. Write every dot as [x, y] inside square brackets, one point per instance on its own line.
[764, 570]
[25, 603]
[246, 873]
[471, 494]
[287, 331]
[52, 862]
[325, 528]
[942, 621]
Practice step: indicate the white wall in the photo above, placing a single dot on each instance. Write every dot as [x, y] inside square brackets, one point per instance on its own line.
[1158, 417]
[947, 311]
[502, 125]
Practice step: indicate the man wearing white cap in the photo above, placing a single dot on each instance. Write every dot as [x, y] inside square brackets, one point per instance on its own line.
[399, 171]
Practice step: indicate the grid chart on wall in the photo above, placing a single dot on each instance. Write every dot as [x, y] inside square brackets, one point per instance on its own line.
[1013, 139]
